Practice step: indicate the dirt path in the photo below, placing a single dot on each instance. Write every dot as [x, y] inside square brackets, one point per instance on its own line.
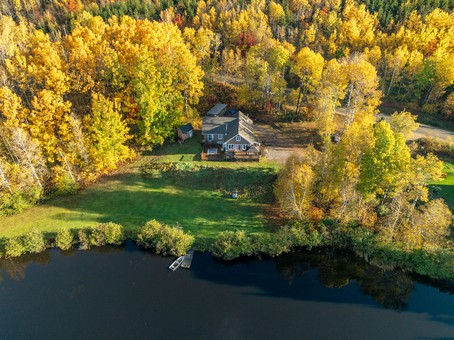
[283, 140]
[427, 131]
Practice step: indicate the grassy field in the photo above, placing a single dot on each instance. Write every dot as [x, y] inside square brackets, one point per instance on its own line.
[445, 187]
[199, 201]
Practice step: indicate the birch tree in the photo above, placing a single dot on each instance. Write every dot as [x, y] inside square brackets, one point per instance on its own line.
[294, 187]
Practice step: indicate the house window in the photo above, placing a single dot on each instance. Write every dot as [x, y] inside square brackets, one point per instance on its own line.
[238, 138]
[210, 138]
[230, 147]
[220, 136]
[244, 146]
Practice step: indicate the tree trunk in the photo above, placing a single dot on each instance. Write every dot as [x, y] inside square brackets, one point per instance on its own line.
[426, 99]
[26, 153]
[5, 180]
[392, 79]
[347, 109]
[67, 165]
[298, 101]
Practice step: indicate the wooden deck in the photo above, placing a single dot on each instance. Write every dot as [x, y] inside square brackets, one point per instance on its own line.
[230, 155]
[188, 259]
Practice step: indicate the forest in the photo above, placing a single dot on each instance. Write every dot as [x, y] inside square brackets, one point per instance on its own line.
[85, 85]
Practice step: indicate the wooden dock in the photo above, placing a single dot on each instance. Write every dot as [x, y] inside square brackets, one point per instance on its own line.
[188, 259]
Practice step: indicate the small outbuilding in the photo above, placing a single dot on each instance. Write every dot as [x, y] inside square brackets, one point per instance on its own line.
[185, 132]
[218, 110]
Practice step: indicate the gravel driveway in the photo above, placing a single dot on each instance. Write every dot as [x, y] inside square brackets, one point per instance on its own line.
[425, 131]
[282, 143]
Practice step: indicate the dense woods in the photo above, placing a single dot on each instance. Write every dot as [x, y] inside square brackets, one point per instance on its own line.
[371, 179]
[84, 83]
[73, 108]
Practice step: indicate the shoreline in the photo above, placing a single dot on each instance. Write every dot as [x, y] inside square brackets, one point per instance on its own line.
[437, 264]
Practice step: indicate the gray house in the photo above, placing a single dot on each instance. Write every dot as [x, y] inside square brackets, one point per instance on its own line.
[229, 134]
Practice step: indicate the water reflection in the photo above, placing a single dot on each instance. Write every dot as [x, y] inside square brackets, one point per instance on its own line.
[15, 268]
[390, 288]
[129, 293]
[335, 269]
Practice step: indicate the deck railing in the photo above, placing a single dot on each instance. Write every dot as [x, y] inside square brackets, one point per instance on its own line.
[234, 156]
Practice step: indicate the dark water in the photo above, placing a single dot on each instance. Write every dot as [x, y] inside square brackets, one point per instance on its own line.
[113, 293]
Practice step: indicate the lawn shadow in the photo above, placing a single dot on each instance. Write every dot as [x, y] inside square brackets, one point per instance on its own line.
[189, 149]
[445, 191]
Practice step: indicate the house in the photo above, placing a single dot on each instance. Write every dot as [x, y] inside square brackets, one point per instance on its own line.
[185, 132]
[231, 135]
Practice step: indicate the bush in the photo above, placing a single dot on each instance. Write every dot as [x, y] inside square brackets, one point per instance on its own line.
[14, 247]
[232, 244]
[84, 239]
[11, 204]
[95, 237]
[66, 186]
[315, 238]
[271, 244]
[101, 235]
[112, 233]
[164, 239]
[362, 241]
[437, 264]
[33, 241]
[64, 239]
[444, 150]
[298, 233]
[430, 108]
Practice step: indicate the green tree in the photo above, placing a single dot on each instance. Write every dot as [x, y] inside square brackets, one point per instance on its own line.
[106, 135]
[385, 165]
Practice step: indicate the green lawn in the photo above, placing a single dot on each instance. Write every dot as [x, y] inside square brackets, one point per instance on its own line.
[445, 187]
[175, 152]
[200, 203]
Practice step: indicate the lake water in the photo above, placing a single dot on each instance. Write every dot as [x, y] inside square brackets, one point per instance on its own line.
[127, 293]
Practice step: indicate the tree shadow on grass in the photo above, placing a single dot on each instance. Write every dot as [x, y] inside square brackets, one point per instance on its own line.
[444, 191]
[190, 146]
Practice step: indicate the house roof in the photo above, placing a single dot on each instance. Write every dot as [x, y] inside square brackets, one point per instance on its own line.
[253, 149]
[186, 128]
[217, 109]
[237, 124]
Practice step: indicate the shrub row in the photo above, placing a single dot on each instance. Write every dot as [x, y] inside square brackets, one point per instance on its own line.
[162, 238]
[101, 235]
[437, 263]
[232, 244]
[34, 241]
